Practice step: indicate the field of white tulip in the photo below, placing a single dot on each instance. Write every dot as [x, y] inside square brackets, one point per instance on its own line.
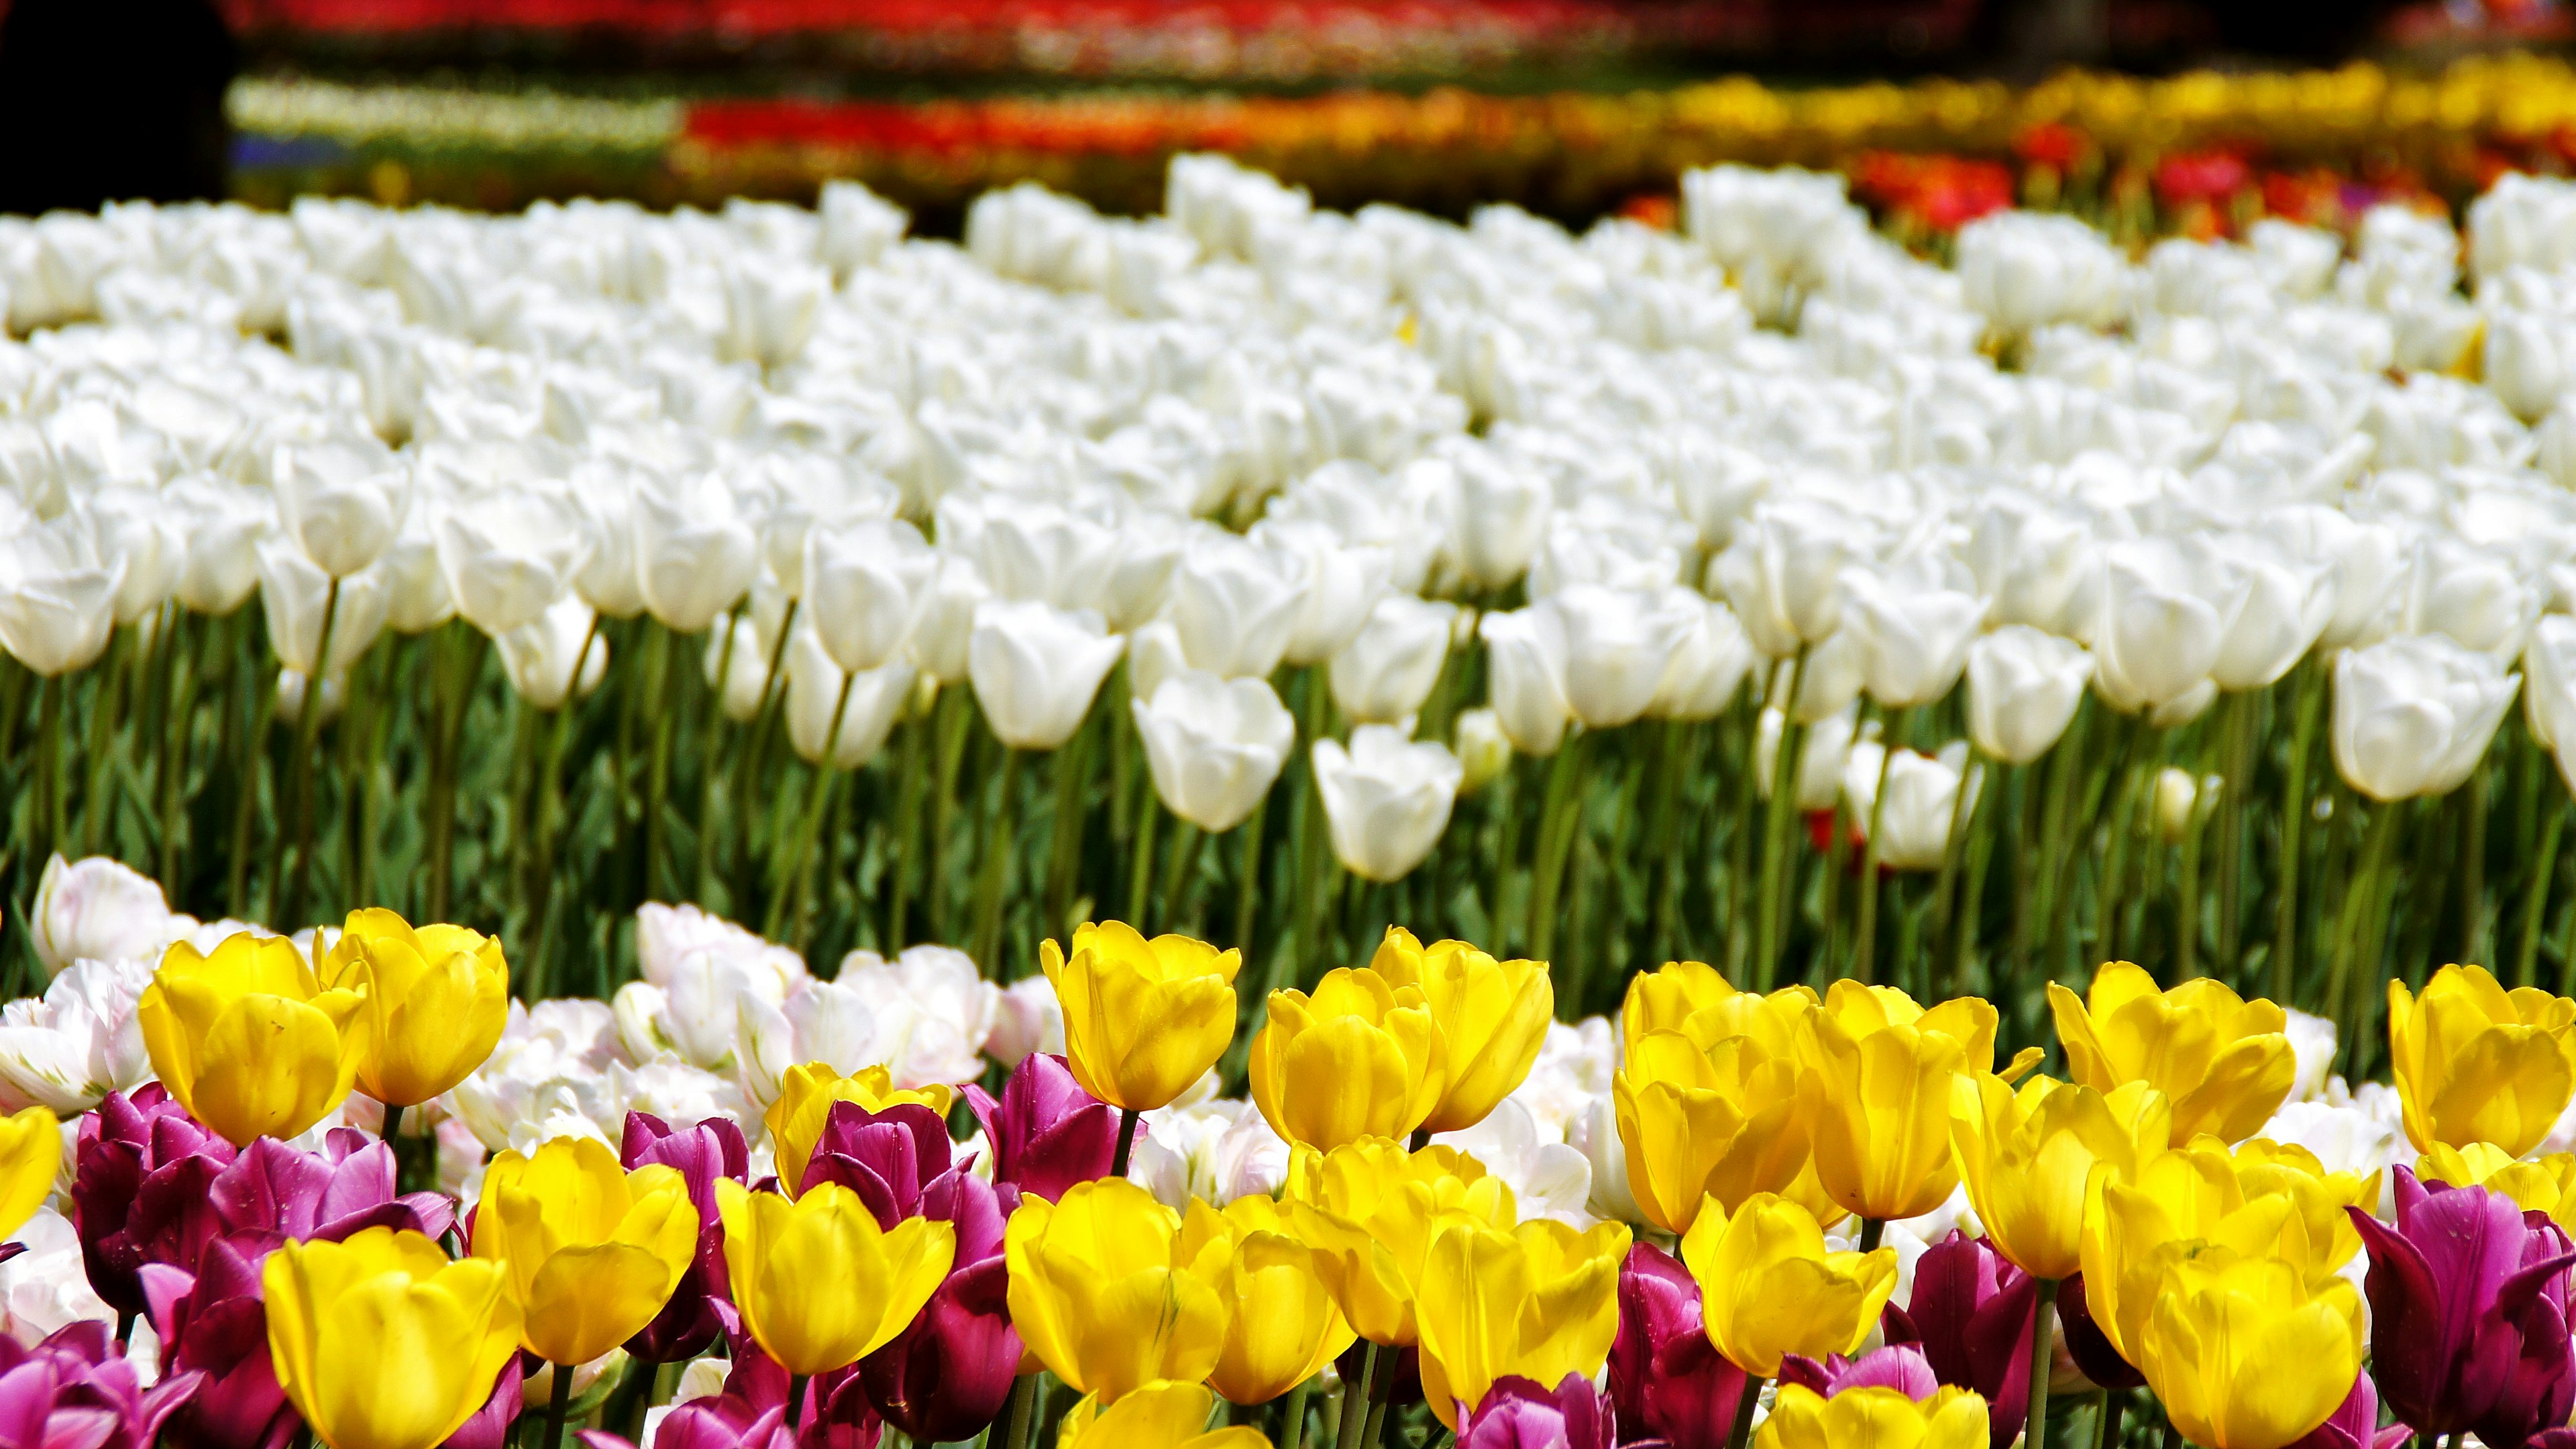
[1272, 574]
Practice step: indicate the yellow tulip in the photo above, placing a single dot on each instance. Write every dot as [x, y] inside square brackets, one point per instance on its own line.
[1359, 1058]
[819, 1285]
[1709, 1109]
[2476, 1063]
[1876, 1095]
[1970, 1020]
[381, 1342]
[1283, 1326]
[1159, 1415]
[1107, 1292]
[1370, 1210]
[2247, 1354]
[805, 1097]
[592, 1250]
[1492, 1016]
[1953, 1418]
[31, 1152]
[2541, 1185]
[1143, 1020]
[437, 998]
[2224, 1062]
[248, 1041]
[1540, 1300]
[2025, 1156]
[1662, 999]
[1768, 1287]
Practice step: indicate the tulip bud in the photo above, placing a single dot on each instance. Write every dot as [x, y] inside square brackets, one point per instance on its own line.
[1492, 1017]
[2244, 1354]
[1484, 752]
[1769, 1287]
[1047, 1132]
[1036, 668]
[2023, 688]
[2476, 1063]
[1370, 1210]
[1214, 746]
[248, 1041]
[1143, 1020]
[1708, 1111]
[798, 1119]
[559, 655]
[1386, 801]
[437, 998]
[2413, 715]
[1539, 1302]
[334, 1307]
[1358, 1058]
[2025, 1157]
[2225, 1063]
[778, 1253]
[1109, 1294]
[1283, 1326]
[1389, 667]
[592, 1251]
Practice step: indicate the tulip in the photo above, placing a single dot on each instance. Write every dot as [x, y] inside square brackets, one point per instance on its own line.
[1783, 574]
[2160, 632]
[2469, 1309]
[1385, 800]
[1666, 1379]
[1709, 1111]
[247, 1041]
[943, 634]
[1709, 667]
[866, 585]
[2541, 1185]
[76, 1388]
[1922, 793]
[1389, 667]
[694, 554]
[2476, 1063]
[890, 1158]
[1343, 580]
[1525, 652]
[337, 1311]
[592, 1251]
[557, 657]
[509, 554]
[1879, 1416]
[2470, 594]
[1913, 642]
[842, 718]
[1971, 1313]
[1619, 644]
[797, 1120]
[2244, 1354]
[1492, 1016]
[949, 1374]
[99, 910]
[124, 1143]
[701, 1155]
[31, 1149]
[1159, 1415]
[69, 1048]
[1143, 1020]
[2023, 687]
[1769, 1288]
[1877, 1095]
[2224, 1062]
[341, 500]
[2413, 715]
[1047, 1132]
[1214, 745]
[1284, 1326]
[1108, 1292]
[1899, 1366]
[213, 1327]
[1358, 1058]
[2025, 1157]
[1237, 604]
[1370, 1210]
[1539, 1302]
[1668, 996]
[298, 598]
[777, 1251]
[2022, 270]
[1521, 1413]
[58, 606]
[1036, 668]
[436, 999]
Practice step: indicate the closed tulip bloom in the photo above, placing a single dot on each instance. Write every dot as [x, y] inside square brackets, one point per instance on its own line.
[1492, 1017]
[1388, 669]
[1666, 997]
[1159, 1415]
[839, 718]
[866, 585]
[1883, 1418]
[2224, 1062]
[1237, 603]
[1214, 745]
[804, 1108]
[31, 1151]
[1619, 644]
[560, 655]
[1036, 668]
[1284, 1326]
[1877, 1095]
[1370, 1210]
[510, 553]
[2023, 688]
[2477, 1063]
[592, 1250]
[1784, 572]
[1386, 800]
[1769, 1287]
[58, 605]
[1358, 1058]
[1521, 1413]
[1971, 1310]
[1540, 1301]
[1525, 654]
[1143, 1020]
[695, 556]
[1110, 1294]
[248, 1041]
[1666, 1380]
[1047, 1133]
[1709, 1112]
[2245, 1353]
[2025, 1156]
[2413, 715]
[295, 594]
[1913, 641]
[381, 1342]
[819, 1285]
[437, 998]
[341, 500]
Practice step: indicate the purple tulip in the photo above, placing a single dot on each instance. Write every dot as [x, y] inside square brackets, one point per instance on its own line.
[213, 1322]
[837, 1414]
[1048, 1134]
[1899, 1366]
[1519, 1413]
[2545, 1439]
[490, 1426]
[127, 1142]
[949, 1374]
[75, 1391]
[2356, 1424]
[713, 1149]
[2087, 1344]
[2469, 1307]
[886, 1157]
[1667, 1381]
[1971, 1315]
[726, 1421]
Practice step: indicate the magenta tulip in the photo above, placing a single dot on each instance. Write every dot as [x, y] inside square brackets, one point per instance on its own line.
[2087, 1344]
[2356, 1424]
[711, 1150]
[1519, 1413]
[1048, 1134]
[1971, 1314]
[1667, 1381]
[886, 1157]
[1899, 1366]
[75, 1391]
[128, 1142]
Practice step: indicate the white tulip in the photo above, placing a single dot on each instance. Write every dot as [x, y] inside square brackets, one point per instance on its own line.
[864, 705]
[2469, 594]
[608, 580]
[1214, 745]
[1042, 552]
[866, 586]
[1484, 751]
[2023, 690]
[771, 307]
[1153, 655]
[1237, 605]
[57, 597]
[341, 499]
[1822, 757]
[1911, 642]
[1387, 670]
[1784, 573]
[220, 526]
[694, 554]
[2413, 714]
[1709, 666]
[1548, 1179]
[417, 596]
[510, 554]
[1526, 659]
[2024, 270]
[1028, 1019]
[2549, 689]
[99, 909]
[2160, 636]
[933, 1012]
[80, 1041]
[296, 594]
[1922, 790]
[946, 624]
[1502, 513]
[1386, 799]
[136, 526]
[1036, 668]
[665, 934]
[1595, 1134]
[736, 665]
[555, 656]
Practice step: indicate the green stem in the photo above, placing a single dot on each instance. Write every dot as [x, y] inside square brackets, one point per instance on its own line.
[1355, 1396]
[907, 829]
[2295, 806]
[657, 770]
[999, 838]
[1292, 1420]
[1140, 869]
[954, 713]
[1776, 833]
[1865, 946]
[789, 907]
[1064, 853]
[2353, 927]
[708, 754]
[1965, 808]
[561, 1399]
[1742, 1432]
[308, 724]
[1556, 831]
[1179, 872]
[49, 766]
[2106, 1424]
[2473, 869]
[2237, 787]
[2043, 1330]
[2535, 901]
[1023, 1412]
[1247, 888]
[1871, 1231]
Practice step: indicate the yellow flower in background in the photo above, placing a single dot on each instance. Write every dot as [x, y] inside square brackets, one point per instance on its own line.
[1876, 1095]
[2025, 1156]
[2224, 1062]
[1492, 1016]
[2541, 1185]
[1953, 1418]
[1539, 1301]
[1107, 1292]
[819, 1285]
[437, 998]
[804, 1105]
[2247, 1354]
[1664, 998]
[1359, 1058]
[1709, 1109]
[1370, 1211]
[31, 1152]
[1283, 1325]
[1143, 1020]
[1159, 1415]
[592, 1251]
[248, 1041]
[2476, 1063]
[381, 1342]
[1769, 1287]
